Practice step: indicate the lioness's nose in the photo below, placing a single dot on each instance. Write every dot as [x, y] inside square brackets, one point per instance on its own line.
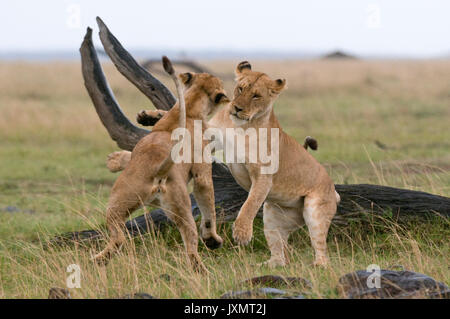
[237, 108]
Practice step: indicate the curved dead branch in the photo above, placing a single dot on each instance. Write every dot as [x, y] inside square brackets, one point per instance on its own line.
[116, 123]
[160, 95]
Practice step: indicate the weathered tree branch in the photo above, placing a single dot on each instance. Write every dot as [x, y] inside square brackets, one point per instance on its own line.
[159, 94]
[116, 123]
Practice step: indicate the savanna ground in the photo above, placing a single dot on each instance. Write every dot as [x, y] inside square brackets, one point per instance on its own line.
[52, 170]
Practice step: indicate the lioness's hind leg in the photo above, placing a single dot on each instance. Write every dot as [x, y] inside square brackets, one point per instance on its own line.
[123, 201]
[318, 213]
[117, 161]
[279, 223]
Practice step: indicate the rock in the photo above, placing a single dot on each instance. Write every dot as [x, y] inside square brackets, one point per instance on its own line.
[255, 293]
[442, 294]
[393, 284]
[274, 280]
[269, 281]
[58, 293]
[138, 295]
[396, 267]
[291, 297]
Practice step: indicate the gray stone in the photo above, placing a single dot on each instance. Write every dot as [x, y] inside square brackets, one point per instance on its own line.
[254, 293]
[274, 280]
[138, 295]
[58, 293]
[393, 284]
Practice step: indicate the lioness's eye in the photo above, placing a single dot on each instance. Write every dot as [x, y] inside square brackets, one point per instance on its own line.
[239, 89]
[256, 96]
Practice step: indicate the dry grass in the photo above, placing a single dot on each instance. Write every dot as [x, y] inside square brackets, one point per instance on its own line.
[53, 150]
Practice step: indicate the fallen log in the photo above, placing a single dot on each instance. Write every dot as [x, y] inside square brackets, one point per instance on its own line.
[356, 200]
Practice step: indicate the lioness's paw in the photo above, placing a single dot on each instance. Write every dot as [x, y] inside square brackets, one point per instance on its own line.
[148, 118]
[213, 242]
[242, 232]
[273, 263]
[117, 161]
[321, 261]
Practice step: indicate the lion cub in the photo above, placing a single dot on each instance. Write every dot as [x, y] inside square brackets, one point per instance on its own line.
[299, 192]
[151, 176]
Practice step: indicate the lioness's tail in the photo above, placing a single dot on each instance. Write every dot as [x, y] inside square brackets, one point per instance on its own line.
[311, 142]
[160, 177]
[170, 70]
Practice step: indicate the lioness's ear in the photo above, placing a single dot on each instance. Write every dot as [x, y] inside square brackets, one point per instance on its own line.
[221, 98]
[278, 86]
[243, 67]
[186, 78]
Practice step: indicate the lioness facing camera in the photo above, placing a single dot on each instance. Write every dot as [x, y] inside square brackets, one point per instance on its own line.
[299, 192]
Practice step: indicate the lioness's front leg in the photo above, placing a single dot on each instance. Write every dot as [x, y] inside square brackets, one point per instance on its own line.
[243, 226]
[204, 196]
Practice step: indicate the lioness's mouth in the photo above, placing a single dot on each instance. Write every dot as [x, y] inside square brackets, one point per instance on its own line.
[237, 119]
[237, 116]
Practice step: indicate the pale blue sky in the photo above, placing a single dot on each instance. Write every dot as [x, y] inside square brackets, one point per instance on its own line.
[418, 28]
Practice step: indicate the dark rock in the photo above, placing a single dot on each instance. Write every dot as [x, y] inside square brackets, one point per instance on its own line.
[442, 294]
[393, 284]
[255, 293]
[397, 267]
[291, 297]
[138, 295]
[58, 293]
[273, 280]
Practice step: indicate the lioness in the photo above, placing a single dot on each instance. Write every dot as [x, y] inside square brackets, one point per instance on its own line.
[151, 177]
[299, 192]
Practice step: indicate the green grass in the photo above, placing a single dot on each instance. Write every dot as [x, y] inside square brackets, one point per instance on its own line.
[53, 150]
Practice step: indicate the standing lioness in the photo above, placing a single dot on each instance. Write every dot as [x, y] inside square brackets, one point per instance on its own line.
[299, 192]
[151, 176]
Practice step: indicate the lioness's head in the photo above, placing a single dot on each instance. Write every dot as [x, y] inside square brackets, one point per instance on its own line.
[254, 94]
[201, 87]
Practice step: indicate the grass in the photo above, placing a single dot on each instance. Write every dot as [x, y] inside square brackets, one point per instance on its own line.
[52, 169]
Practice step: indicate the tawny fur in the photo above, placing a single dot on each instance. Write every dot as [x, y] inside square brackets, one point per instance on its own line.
[300, 192]
[146, 181]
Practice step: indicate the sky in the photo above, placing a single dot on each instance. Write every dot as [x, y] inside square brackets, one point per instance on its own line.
[413, 28]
